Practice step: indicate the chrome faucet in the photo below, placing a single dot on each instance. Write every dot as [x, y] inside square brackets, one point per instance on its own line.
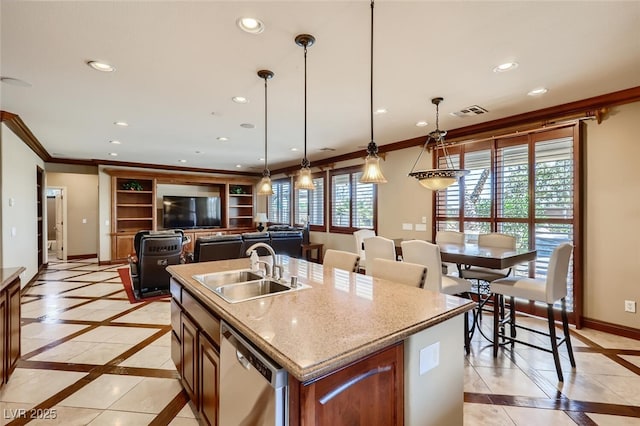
[269, 271]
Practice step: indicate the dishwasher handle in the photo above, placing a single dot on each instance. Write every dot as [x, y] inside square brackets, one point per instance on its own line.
[243, 360]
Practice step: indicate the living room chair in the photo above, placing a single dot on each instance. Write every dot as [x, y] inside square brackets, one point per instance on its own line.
[217, 247]
[154, 252]
[405, 273]
[341, 260]
[548, 291]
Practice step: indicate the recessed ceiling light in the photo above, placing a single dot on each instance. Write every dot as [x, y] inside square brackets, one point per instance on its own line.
[121, 123]
[294, 149]
[248, 125]
[222, 138]
[115, 142]
[15, 82]
[381, 111]
[507, 66]
[538, 91]
[238, 165]
[198, 152]
[182, 161]
[101, 66]
[422, 124]
[250, 25]
[113, 154]
[240, 99]
[261, 159]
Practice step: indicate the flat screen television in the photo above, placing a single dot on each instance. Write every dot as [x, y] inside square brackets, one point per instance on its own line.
[191, 212]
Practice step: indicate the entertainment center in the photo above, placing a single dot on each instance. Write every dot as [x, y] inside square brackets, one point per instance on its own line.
[204, 206]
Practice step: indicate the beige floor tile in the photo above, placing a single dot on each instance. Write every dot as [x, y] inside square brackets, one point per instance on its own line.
[535, 417]
[635, 360]
[582, 387]
[93, 267]
[49, 306]
[101, 353]
[149, 357]
[151, 395]
[473, 382]
[111, 418]
[186, 412]
[49, 332]
[53, 288]
[154, 313]
[34, 386]
[183, 421]
[169, 365]
[164, 340]
[85, 314]
[509, 381]
[607, 420]
[609, 340]
[67, 416]
[483, 414]
[29, 345]
[482, 356]
[13, 410]
[63, 352]
[627, 387]
[111, 305]
[102, 392]
[62, 275]
[95, 290]
[96, 276]
[120, 295]
[113, 334]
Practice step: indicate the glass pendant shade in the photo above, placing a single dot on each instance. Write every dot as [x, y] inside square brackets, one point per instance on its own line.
[372, 172]
[264, 187]
[305, 180]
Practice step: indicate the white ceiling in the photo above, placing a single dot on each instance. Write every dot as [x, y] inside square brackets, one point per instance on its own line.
[179, 62]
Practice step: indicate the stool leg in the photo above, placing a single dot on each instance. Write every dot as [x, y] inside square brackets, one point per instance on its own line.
[567, 335]
[554, 341]
[512, 318]
[496, 321]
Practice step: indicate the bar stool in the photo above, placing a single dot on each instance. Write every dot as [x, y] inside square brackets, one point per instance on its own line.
[341, 260]
[548, 291]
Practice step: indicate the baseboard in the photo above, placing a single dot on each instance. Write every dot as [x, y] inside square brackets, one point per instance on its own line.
[110, 262]
[607, 327]
[81, 256]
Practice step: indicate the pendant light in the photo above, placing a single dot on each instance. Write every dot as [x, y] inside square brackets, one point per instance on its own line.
[372, 172]
[440, 178]
[264, 187]
[305, 180]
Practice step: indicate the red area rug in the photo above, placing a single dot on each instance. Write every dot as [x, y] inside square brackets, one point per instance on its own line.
[125, 276]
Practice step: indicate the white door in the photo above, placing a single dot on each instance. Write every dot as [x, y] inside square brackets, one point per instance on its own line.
[60, 249]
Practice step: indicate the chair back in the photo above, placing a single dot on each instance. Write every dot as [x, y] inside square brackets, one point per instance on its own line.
[287, 242]
[557, 272]
[406, 273]
[360, 236]
[156, 253]
[340, 259]
[452, 237]
[378, 247]
[250, 238]
[496, 239]
[217, 247]
[426, 254]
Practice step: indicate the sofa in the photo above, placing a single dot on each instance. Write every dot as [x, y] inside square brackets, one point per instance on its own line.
[221, 247]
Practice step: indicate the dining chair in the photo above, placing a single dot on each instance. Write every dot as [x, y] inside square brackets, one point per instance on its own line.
[360, 236]
[378, 247]
[427, 254]
[411, 274]
[341, 260]
[451, 237]
[548, 291]
[483, 276]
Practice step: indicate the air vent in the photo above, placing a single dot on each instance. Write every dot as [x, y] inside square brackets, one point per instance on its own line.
[471, 111]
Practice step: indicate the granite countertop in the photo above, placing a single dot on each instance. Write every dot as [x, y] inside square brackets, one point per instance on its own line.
[9, 275]
[341, 318]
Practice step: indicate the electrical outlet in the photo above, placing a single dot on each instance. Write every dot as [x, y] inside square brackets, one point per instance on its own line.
[630, 306]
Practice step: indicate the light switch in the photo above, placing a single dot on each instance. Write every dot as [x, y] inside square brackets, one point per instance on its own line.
[429, 358]
[407, 227]
[12, 201]
[106, 222]
[84, 220]
[14, 231]
[424, 219]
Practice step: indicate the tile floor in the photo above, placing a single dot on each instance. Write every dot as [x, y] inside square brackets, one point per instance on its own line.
[96, 359]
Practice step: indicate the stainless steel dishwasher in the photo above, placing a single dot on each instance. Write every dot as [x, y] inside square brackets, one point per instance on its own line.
[253, 388]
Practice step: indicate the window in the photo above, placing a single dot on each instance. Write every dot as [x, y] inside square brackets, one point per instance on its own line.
[523, 186]
[353, 204]
[310, 204]
[280, 202]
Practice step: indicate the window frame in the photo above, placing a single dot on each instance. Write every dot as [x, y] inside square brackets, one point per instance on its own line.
[269, 213]
[329, 195]
[316, 228]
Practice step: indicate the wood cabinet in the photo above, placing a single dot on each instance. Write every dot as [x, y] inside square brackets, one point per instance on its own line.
[9, 322]
[196, 351]
[367, 392]
[135, 206]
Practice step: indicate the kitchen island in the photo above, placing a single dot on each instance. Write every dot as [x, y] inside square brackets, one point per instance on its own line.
[357, 350]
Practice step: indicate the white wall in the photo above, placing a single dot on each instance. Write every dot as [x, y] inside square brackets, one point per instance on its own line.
[19, 188]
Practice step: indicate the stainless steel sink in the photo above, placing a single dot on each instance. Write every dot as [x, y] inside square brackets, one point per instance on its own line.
[217, 279]
[241, 285]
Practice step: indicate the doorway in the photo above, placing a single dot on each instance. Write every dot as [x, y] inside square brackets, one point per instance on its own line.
[56, 223]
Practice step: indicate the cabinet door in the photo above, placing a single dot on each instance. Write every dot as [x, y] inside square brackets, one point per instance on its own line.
[13, 349]
[368, 392]
[208, 379]
[124, 246]
[3, 339]
[189, 357]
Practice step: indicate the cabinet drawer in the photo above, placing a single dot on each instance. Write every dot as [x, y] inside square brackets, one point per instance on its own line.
[176, 290]
[208, 322]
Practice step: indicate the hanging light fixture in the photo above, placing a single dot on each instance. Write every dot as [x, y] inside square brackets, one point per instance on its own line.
[372, 172]
[264, 187]
[305, 180]
[437, 179]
